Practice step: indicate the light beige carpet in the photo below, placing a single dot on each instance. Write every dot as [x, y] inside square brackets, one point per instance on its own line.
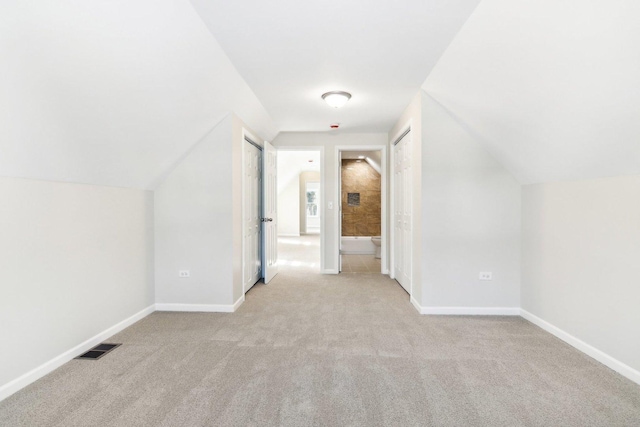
[314, 350]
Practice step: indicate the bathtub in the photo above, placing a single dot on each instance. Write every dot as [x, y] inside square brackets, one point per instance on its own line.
[357, 245]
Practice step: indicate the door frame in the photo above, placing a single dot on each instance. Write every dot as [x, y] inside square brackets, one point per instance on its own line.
[323, 216]
[246, 134]
[384, 264]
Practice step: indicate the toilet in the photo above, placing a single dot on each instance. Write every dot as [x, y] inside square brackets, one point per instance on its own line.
[377, 240]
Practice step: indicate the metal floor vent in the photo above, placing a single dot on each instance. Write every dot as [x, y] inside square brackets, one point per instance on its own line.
[98, 351]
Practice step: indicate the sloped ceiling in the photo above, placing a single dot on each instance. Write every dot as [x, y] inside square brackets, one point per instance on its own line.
[111, 92]
[552, 88]
[292, 163]
[290, 52]
[114, 93]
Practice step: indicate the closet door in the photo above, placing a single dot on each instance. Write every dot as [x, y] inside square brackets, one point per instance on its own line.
[402, 205]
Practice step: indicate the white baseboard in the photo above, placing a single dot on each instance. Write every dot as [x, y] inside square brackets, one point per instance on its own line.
[203, 308]
[289, 235]
[467, 311]
[600, 356]
[356, 252]
[53, 364]
[238, 303]
[473, 311]
[329, 271]
[415, 304]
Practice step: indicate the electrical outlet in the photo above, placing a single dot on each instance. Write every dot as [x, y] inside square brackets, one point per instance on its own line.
[485, 275]
[184, 274]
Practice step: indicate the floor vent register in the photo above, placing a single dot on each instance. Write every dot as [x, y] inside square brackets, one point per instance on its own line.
[98, 351]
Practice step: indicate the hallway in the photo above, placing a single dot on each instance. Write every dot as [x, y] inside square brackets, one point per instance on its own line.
[299, 253]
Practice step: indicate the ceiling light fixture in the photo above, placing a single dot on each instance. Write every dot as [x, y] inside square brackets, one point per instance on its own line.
[336, 98]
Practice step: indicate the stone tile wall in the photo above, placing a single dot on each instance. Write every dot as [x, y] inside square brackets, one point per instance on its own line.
[364, 220]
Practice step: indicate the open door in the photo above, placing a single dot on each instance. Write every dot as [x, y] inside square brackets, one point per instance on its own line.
[340, 212]
[269, 217]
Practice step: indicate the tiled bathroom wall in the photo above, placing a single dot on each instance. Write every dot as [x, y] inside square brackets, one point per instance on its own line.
[361, 211]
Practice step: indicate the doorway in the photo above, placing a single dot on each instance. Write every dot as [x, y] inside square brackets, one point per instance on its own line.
[362, 209]
[259, 214]
[300, 209]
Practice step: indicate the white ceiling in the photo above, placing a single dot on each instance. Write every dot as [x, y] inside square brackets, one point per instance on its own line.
[114, 93]
[292, 51]
[551, 88]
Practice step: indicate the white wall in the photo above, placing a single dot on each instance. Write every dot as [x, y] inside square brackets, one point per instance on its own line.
[289, 208]
[75, 260]
[198, 220]
[329, 140]
[471, 218]
[193, 224]
[581, 269]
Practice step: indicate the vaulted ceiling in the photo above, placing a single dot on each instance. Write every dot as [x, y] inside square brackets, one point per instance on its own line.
[550, 88]
[290, 52]
[114, 93]
[111, 92]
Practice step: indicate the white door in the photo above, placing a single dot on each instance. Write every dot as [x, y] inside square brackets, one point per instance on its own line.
[402, 205]
[270, 219]
[339, 202]
[251, 215]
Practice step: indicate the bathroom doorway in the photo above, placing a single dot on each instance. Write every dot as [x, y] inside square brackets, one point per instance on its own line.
[362, 209]
[300, 215]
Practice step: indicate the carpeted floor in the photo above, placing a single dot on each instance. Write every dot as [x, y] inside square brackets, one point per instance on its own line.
[325, 350]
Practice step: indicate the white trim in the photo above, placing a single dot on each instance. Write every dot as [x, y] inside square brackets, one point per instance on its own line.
[343, 252]
[53, 364]
[416, 304]
[291, 234]
[602, 357]
[471, 311]
[329, 271]
[238, 303]
[202, 308]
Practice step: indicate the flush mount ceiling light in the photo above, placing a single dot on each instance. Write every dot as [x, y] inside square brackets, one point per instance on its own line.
[336, 98]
